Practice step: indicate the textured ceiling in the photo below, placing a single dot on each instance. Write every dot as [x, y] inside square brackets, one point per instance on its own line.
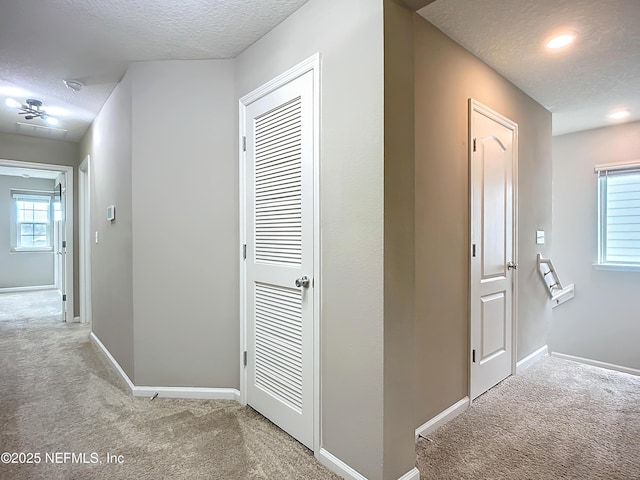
[581, 84]
[43, 42]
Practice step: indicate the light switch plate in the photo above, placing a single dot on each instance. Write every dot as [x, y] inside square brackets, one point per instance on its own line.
[111, 213]
[540, 237]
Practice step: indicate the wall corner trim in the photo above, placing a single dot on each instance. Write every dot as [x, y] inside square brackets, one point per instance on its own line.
[532, 358]
[413, 474]
[199, 393]
[337, 466]
[597, 363]
[443, 417]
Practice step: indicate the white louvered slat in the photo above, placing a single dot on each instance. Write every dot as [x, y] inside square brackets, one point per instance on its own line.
[278, 185]
[278, 342]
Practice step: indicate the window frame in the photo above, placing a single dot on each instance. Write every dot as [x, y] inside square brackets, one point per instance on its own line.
[604, 172]
[25, 196]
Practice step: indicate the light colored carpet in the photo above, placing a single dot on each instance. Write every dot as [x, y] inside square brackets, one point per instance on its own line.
[58, 394]
[556, 420]
[30, 306]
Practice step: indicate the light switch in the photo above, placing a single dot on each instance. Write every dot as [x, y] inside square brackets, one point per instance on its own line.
[540, 237]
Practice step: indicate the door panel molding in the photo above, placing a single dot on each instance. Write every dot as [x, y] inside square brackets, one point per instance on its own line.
[312, 65]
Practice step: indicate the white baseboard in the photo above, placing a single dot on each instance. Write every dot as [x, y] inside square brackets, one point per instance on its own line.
[597, 363]
[413, 474]
[199, 393]
[76, 320]
[27, 289]
[113, 361]
[443, 417]
[340, 468]
[530, 359]
[337, 466]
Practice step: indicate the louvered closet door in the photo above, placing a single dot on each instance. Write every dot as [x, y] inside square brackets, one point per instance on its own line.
[279, 251]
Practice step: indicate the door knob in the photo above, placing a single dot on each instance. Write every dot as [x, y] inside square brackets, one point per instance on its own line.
[512, 266]
[303, 282]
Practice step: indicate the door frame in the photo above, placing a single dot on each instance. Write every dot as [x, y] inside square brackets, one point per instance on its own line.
[476, 106]
[68, 172]
[84, 238]
[311, 64]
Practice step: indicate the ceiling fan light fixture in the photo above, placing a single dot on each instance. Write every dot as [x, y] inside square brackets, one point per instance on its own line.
[75, 85]
[31, 110]
[619, 114]
[561, 41]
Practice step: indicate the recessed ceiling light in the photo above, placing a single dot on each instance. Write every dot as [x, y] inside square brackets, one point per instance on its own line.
[561, 41]
[51, 120]
[619, 114]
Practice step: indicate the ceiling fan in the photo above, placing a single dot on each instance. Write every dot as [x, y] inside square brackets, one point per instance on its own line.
[31, 109]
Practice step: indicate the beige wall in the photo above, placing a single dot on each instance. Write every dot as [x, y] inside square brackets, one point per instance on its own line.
[108, 141]
[53, 152]
[446, 77]
[185, 224]
[399, 260]
[606, 304]
[349, 36]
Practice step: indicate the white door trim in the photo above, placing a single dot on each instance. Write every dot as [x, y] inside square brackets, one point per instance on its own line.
[476, 106]
[312, 64]
[84, 237]
[68, 172]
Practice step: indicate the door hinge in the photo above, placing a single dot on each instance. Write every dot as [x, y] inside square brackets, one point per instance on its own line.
[244, 144]
[64, 297]
[473, 355]
[244, 251]
[244, 358]
[473, 250]
[64, 244]
[474, 144]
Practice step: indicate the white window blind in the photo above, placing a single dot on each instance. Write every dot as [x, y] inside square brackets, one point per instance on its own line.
[619, 214]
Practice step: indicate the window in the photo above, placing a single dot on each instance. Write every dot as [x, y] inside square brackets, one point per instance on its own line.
[32, 222]
[619, 215]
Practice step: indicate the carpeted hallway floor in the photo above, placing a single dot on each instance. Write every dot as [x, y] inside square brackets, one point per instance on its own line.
[58, 394]
[556, 420]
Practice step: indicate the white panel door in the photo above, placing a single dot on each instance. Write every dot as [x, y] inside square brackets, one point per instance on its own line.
[279, 230]
[60, 243]
[493, 161]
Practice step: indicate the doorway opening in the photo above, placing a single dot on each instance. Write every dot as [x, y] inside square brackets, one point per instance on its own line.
[38, 219]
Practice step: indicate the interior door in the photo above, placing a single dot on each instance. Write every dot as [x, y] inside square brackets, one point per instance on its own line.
[60, 243]
[279, 256]
[493, 160]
